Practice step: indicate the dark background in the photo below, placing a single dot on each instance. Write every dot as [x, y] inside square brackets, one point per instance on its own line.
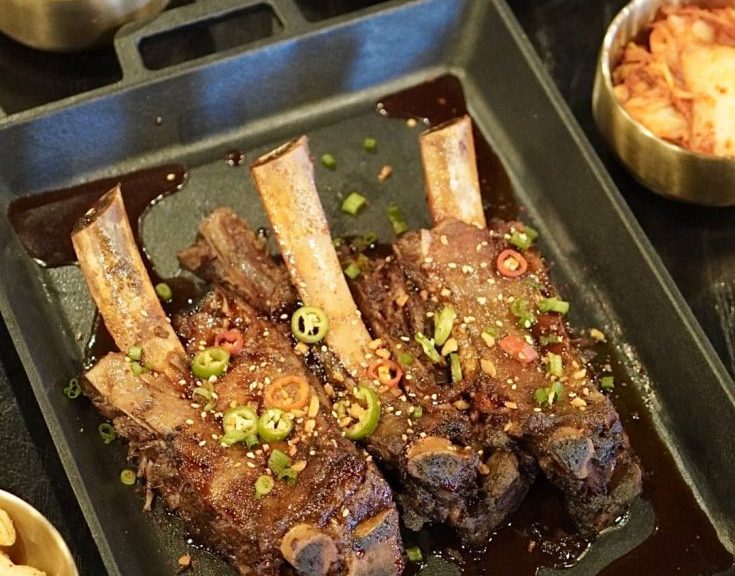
[696, 244]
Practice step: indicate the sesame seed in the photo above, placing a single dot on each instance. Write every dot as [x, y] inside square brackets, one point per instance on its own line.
[203, 443]
[189, 421]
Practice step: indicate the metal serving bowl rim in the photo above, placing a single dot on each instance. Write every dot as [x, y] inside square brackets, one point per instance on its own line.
[38, 517]
[605, 54]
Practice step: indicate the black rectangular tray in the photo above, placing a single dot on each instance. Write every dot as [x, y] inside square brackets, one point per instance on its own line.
[323, 78]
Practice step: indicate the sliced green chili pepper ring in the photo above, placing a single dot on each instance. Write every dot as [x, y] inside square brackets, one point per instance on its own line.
[369, 420]
[239, 424]
[210, 362]
[274, 425]
[309, 324]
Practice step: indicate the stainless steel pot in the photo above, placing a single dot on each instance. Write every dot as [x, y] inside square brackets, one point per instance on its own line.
[70, 25]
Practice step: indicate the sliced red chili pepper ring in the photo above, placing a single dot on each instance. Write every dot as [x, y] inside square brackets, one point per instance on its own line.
[511, 264]
[518, 349]
[385, 371]
[231, 340]
[289, 392]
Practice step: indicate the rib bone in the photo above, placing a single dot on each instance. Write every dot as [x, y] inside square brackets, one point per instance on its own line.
[285, 181]
[450, 172]
[120, 286]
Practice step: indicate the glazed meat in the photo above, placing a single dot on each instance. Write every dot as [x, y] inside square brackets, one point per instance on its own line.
[437, 481]
[425, 440]
[514, 357]
[507, 375]
[325, 509]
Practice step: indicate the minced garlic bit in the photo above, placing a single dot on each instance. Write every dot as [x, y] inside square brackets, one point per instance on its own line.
[597, 335]
[184, 561]
[488, 367]
[450, 346]
[511, 405]
[488, 339]
[385, 172]
[298, 466]
[375, 344]
[402, 300]
[580, 374]
[578, 402]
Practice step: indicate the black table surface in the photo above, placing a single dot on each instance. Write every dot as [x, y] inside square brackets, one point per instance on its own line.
[695, 244]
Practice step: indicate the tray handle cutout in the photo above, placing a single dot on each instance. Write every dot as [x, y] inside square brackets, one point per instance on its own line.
[200, 30]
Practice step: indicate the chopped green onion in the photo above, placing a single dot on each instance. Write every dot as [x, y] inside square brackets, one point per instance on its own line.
[164, 291]
[309, 324]
[417, 413]
[396, 219]
[251, 441]
[555, 392]
[289, 476]
[443, 324]
[553, 305]
[208, 394]
[607, 382]
[492, 331]
[456, 367]
[519, 309]
[107, 432]
[548, 395]
[353, 203]
[278, 461]
[532, 233]
[414, 554]
[328, 161]
[428, 347]
[72, 390]
[137, 368]
[545, 340]
[555, 367]
[263, 486]
[280, 465]
[135, 353]
[520, 240]
[541, 396]
[210, 362]
[369, 238]
[337, 242]
[352, 270]
[405, 359]
[370, 144]
[232, 437]
[127, 477]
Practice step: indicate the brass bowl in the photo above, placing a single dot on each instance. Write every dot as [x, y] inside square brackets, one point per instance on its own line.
[38, 543]
[70, 25]
[665, 168]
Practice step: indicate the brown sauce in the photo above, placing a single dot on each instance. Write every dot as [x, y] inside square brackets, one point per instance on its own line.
[540, 533]
[441, 100]
[44, 222]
